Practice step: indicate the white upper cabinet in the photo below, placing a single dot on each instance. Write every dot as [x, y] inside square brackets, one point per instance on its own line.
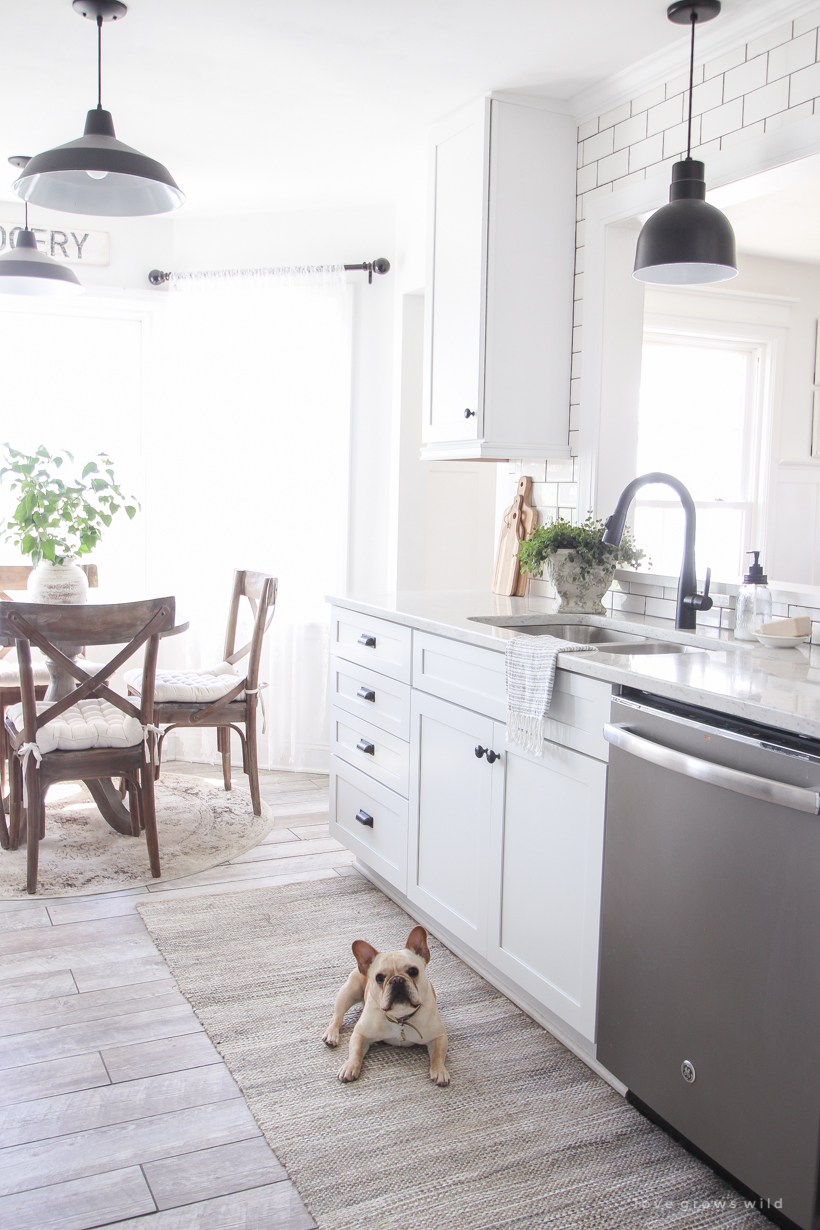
[500, 283]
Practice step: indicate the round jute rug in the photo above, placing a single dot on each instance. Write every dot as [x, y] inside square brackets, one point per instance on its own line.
[200, 825]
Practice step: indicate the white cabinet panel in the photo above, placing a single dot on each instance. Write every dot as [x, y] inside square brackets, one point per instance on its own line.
[371, 750]
[383, 646]
[370, 820]
[375, 698]
[450, 798]
[500, 274]
[546, 856]
[465, 674]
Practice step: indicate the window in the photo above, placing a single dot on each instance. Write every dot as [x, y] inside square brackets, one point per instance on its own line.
[699, 419]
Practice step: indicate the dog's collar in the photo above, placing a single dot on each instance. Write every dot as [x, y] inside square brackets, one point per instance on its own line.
[404, 1021]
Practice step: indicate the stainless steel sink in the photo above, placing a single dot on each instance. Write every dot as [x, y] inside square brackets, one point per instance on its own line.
[647, 647]
[581, 634]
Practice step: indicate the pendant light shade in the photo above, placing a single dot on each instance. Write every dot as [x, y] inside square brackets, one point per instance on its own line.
[25, 270]
[687, 242]
[98, 174]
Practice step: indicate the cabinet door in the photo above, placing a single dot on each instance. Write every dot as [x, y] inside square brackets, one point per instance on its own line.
[450, 798]
[546, 857]
[456, 324]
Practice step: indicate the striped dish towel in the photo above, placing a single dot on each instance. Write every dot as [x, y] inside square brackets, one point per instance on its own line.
[530, 669]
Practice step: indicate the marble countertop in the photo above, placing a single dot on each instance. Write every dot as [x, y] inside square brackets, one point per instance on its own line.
[778, 687]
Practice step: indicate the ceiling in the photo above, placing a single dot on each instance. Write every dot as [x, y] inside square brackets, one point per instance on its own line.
[279, 104]
[781, 224]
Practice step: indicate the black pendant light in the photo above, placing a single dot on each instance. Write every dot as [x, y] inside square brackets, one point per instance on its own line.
[687, 241]
[99, 174]
[25, 270]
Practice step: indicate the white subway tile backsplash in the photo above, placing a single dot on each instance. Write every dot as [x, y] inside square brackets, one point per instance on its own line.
[630, 602]
[799, 53]
[743, 134]
[536, 470]
[665, 115]
[610, 118]
[587, 130]
[788, 117]
[721, 120]
[559, 472]
[766, 41]
[747, 77]
[575, 392]
[587, 178]
[729, 59]
[650, 99]
[707, 96]
[661, 608]
[568, 494]
[675, 139]
[804, 23]
[598, 146]
[630, 131]
[577, 337]
[613, 167]
[706, 150]
[804, 84]
[579, 259]
[580, 234]
[647, 591]
[679, 85]
[644, 153]
[760, 104]
[579, 286]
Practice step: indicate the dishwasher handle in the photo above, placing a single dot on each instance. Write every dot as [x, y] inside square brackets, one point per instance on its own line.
[795, 797]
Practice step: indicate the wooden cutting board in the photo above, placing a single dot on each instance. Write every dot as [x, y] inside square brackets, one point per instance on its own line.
[517, 524]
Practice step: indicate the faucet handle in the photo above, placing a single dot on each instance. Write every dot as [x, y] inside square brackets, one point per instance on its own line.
[701, 602]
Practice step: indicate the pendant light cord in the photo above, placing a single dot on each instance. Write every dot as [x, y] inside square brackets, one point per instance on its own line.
[100, 64]
[26, 215]
[693, 19]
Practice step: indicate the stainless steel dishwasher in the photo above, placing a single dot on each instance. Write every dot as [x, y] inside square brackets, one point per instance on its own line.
[709, 1004]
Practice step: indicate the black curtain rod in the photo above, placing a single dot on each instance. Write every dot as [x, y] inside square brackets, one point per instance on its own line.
[157, 277]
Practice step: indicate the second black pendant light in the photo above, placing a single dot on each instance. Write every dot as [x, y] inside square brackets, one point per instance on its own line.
[99, 174]
[687, 241]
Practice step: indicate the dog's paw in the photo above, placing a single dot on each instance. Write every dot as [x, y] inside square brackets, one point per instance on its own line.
[440, 1075]
[349, 1071]
[331, 1036]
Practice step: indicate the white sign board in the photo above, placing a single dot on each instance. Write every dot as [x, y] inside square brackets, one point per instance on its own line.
[73, 247]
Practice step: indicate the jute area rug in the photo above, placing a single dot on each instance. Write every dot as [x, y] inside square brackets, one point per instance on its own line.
[525, 1136]
[200, 825]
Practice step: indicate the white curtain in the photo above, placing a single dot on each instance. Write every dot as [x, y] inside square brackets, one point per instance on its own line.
[247, 467]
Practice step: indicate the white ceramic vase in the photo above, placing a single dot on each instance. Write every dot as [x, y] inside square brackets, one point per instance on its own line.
[579, 594]
[64, 583]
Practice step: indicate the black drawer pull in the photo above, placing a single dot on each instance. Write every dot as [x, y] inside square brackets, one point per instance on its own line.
[365, 693]
[365, 819]
[368, 639]
[364, 745]
[469, 414]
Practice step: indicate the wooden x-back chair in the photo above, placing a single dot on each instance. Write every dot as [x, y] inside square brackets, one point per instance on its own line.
[15, 577]
[91, 733]
[221, 697]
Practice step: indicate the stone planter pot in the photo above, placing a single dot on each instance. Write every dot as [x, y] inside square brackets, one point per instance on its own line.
[579, 594]
[64, 584]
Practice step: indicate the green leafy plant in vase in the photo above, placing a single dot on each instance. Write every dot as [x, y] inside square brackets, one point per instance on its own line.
[579, 563]
[59, 516]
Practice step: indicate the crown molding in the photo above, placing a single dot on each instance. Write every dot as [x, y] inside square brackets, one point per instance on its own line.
[754, 19]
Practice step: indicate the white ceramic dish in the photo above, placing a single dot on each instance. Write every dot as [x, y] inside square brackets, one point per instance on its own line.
[782, 642]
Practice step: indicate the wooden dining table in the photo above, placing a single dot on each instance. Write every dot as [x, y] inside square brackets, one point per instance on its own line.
[103, 791]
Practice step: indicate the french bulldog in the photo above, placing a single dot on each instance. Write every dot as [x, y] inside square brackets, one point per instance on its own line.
[399, 1005]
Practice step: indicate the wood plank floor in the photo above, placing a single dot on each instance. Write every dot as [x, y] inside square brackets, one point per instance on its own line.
[115, 1109]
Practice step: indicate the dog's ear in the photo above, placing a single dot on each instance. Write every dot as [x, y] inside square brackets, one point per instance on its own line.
[364, 954]
[417, 943]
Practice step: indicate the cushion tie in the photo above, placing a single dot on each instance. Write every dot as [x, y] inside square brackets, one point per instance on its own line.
[24, 751]
[147, 730]
[254, 692]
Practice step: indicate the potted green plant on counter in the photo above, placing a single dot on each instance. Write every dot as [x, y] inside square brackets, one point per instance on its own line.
[579, 563]
[57, 519]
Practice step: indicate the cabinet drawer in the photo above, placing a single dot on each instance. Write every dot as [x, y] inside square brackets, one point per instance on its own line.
[373, 751]
[377, 643]
[379, 835]
[464, 674]
[372, 697]
[577, 714]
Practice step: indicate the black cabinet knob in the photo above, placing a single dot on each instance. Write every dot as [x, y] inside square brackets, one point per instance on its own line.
[365, 693]
[492, 757]
[364, 745]
[364, 818]
[367, 639]
[469, 414]
[489, 753]
[480, 751]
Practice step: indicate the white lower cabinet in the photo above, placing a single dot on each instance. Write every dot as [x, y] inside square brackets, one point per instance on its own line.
[370, 820]
[546, 852]
[450, 806]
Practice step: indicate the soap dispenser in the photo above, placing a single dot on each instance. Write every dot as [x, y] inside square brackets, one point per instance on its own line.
[754, 602]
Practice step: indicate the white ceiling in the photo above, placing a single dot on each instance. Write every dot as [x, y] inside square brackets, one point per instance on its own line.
[276, 104]
[782, 224]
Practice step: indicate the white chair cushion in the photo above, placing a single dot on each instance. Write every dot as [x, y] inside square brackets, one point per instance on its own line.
[187, 686]
[89, 723]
